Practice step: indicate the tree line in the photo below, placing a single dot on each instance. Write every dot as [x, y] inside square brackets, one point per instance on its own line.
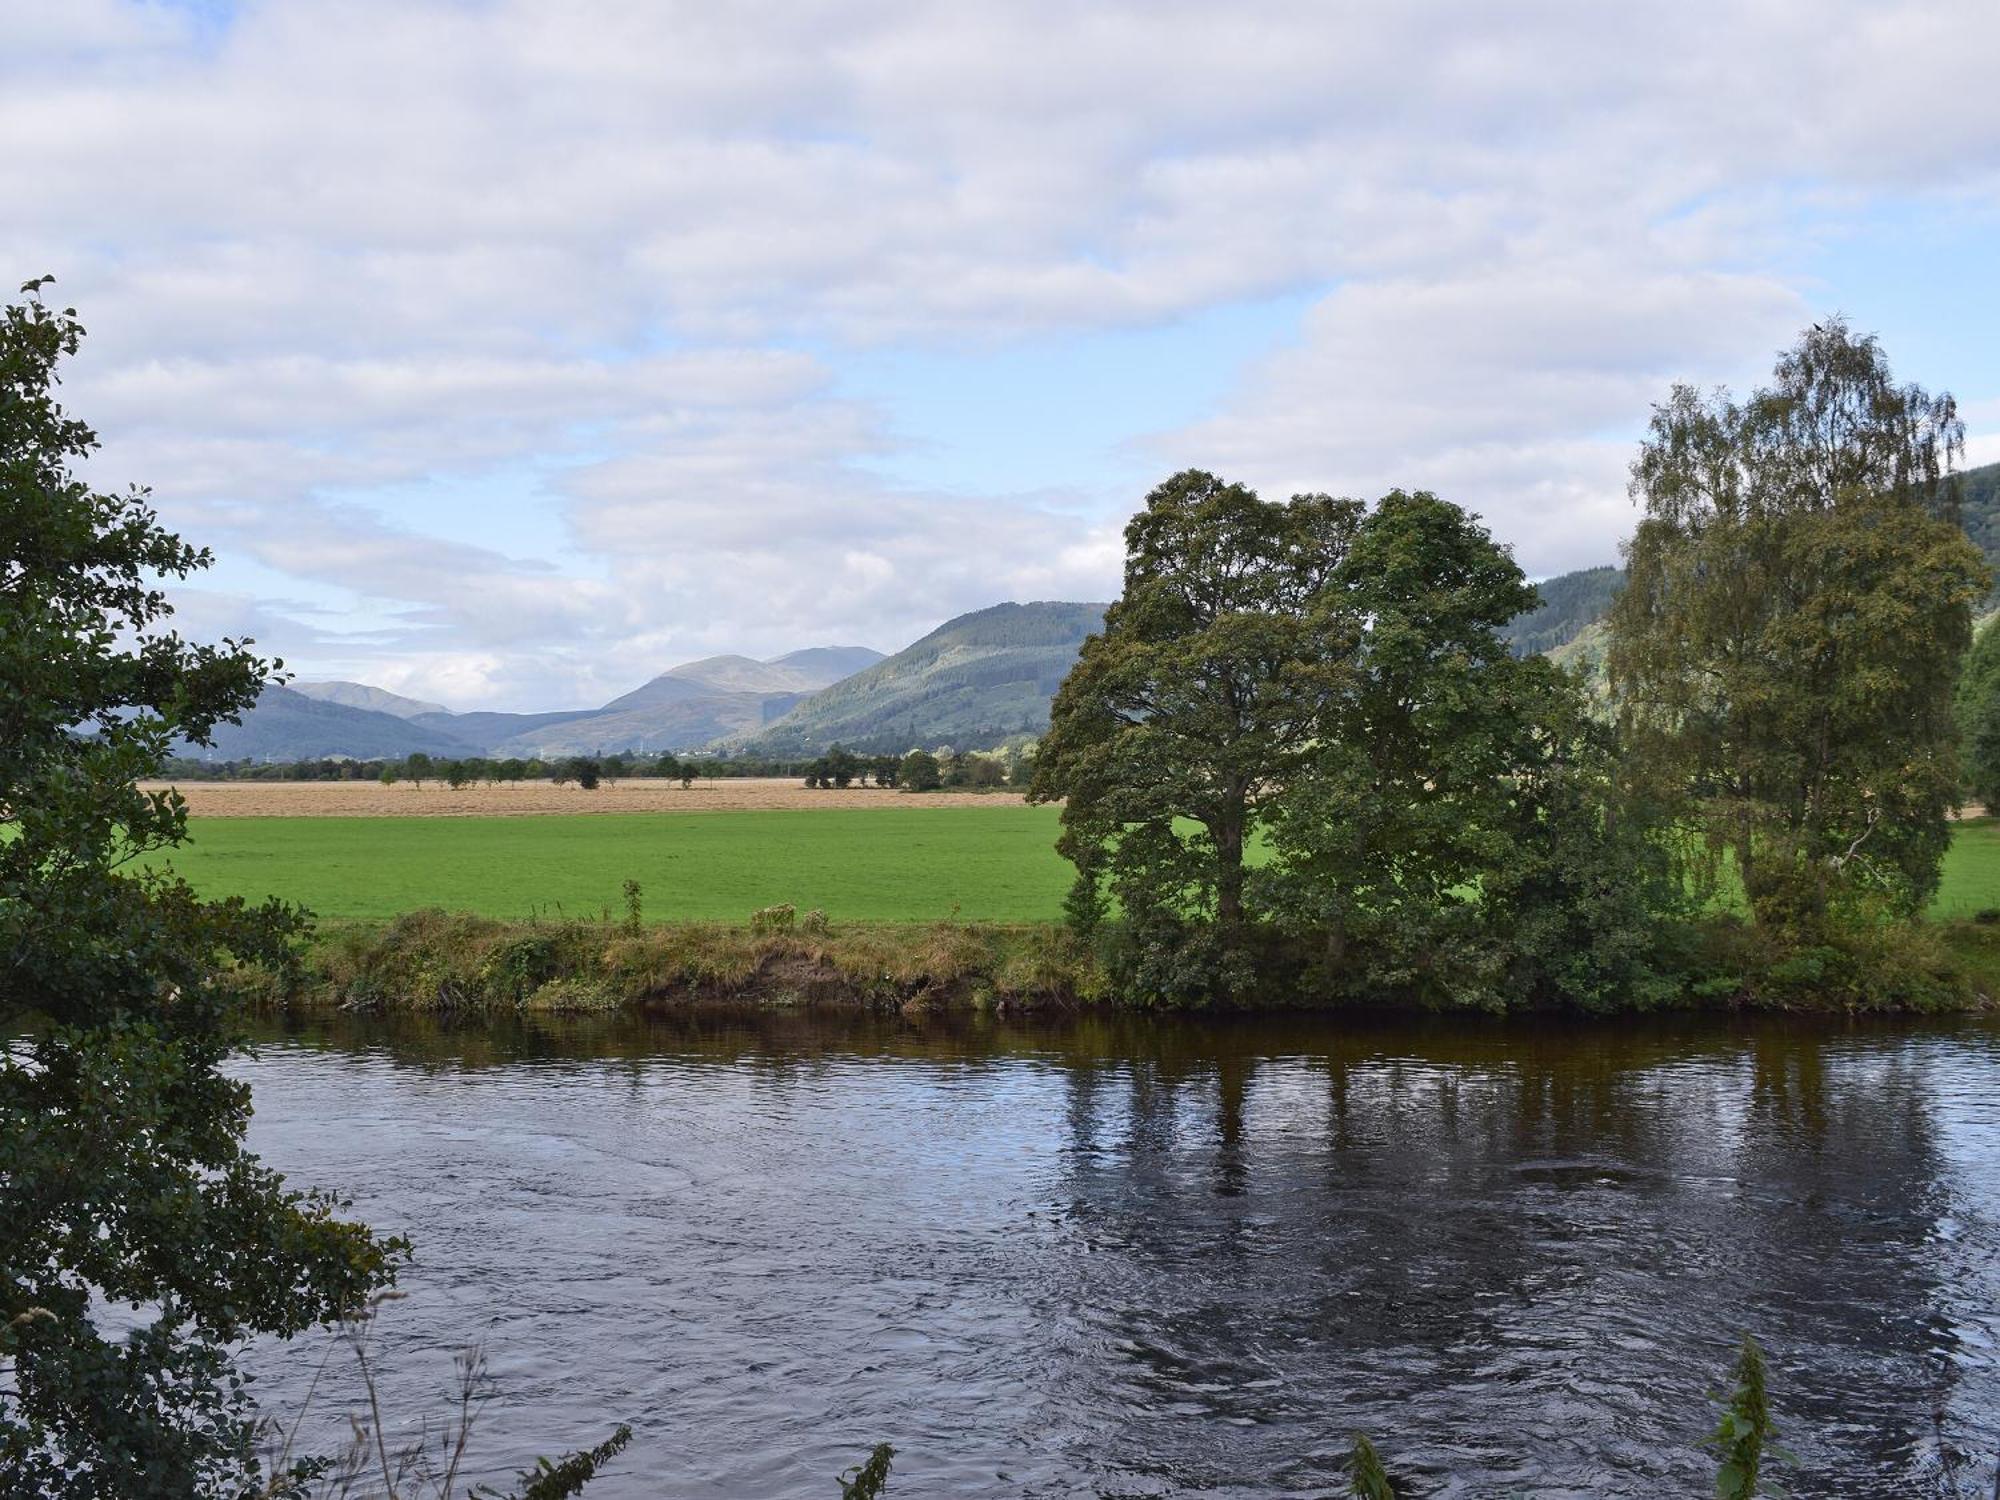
[924, 770]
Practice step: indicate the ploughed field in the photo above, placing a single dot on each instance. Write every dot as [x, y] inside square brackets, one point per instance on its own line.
[728, 849]
[405, 799]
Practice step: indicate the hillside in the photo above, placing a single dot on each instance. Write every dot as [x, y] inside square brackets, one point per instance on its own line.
[361, 695]
[799, 672]
[287, 725]
[972, 682]
[688, 724]
[1571, 602]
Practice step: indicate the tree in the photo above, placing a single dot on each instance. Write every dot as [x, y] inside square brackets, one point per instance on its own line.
[458, 774]
[1413, 841]
[919, 772]
[1976, 706]
[1190, 708]
[388, 775]
[1784, 652]
[1329, 684]
[838, 767]
[123, 1173]
[417, 765]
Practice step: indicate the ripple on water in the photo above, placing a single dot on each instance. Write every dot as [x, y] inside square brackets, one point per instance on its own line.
[1175, 1259]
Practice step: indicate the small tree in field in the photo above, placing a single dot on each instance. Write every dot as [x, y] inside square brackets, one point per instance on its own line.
[919, 772]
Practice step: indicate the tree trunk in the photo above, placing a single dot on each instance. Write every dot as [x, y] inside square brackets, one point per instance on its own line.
[1228, 836]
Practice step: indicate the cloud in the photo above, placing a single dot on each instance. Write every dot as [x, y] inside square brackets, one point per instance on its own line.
[337, 249]
[1424, 384]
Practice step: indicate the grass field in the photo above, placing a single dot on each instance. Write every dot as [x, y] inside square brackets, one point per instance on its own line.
[900, 861]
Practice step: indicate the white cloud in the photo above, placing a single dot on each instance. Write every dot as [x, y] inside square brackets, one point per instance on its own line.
[339, 246]
[1511, 389]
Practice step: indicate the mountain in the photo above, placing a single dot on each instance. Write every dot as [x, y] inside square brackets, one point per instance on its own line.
[826, 665]
[288, 725]
[483, 730]
[360, 695]
[972, 682]
[1573, 602]
[686, 708]
[799, 672]
[689, 724]
[692, 705]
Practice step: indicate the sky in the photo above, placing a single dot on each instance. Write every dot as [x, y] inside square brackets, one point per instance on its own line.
[508, 353]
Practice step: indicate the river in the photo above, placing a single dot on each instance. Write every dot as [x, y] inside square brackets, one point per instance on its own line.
[1120, 1257]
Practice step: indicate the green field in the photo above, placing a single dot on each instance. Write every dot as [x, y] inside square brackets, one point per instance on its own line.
[991, 863]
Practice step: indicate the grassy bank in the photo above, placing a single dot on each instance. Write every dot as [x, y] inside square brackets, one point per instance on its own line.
[463, 964]
[439, 962]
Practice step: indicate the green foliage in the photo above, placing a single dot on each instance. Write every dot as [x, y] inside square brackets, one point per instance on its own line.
[1303, 762]
[869, 1480]
[920, 772]
[1745, 1429]
[1784, 653]
[1976, 709]
[1183, 718]
[1367, 1479]
[565, 1477]
[123, 1175]
[1979, 514]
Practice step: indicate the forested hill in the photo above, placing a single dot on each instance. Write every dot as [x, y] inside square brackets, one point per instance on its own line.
[1572, 602]
[972, 683]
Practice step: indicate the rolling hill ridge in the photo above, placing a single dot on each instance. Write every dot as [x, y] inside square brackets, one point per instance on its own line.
[973, 682]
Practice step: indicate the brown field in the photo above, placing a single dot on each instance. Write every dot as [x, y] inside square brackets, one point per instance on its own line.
[369, 799]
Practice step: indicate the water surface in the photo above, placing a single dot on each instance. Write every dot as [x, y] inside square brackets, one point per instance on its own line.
[1129, 1258]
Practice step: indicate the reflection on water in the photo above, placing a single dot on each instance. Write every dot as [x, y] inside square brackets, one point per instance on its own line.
[1125, 1258]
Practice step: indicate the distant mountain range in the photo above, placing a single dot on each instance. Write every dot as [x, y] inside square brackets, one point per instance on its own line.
[684, 708]
[974, 682]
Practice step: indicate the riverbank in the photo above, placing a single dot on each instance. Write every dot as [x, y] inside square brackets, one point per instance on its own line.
[462, 964]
